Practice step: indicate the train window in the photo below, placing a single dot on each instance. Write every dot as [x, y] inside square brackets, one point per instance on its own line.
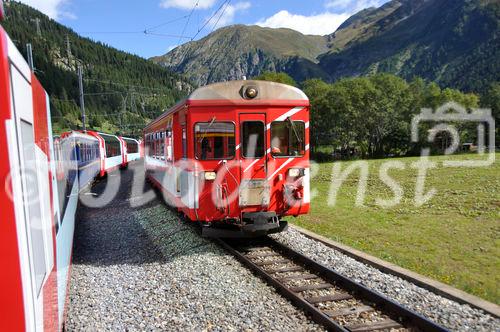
[288, 138]
[253, 139]
[112, 143]
[184, 142]
[169, 145]
[132, 146]
[214, 140]
[31, 197]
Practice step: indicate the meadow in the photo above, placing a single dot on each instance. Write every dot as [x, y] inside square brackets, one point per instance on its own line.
[454, 237]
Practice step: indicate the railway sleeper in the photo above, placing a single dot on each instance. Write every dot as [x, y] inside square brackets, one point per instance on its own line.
[299, 289]
[355, 310]
[268, 262]
[385, 324]
[298, 277]
[328, 298]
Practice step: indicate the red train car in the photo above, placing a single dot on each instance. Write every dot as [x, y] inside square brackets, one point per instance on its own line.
[37, 221]
[234, 154]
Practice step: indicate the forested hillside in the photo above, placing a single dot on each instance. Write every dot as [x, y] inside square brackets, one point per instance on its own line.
[123, 91]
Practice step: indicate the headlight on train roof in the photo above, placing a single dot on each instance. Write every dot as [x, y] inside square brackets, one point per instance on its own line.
[210, 176]
[296, 172]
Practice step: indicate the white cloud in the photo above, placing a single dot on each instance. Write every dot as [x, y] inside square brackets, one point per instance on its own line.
[52, 8]
[187, 4]
[229, 12]
[321, 24]
[352, 6]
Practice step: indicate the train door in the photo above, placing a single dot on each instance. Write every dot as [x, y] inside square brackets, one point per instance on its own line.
[253, 146]
[36, 240]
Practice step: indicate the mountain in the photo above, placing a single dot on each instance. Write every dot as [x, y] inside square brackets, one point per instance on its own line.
[453, 42]
[123, 91]
[236, 51]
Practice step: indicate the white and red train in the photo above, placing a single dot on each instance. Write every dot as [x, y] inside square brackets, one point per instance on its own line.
[42, 176]
[235, 155]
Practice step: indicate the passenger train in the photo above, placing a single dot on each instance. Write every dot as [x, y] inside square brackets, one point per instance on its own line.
[43, 175]
[233, 156]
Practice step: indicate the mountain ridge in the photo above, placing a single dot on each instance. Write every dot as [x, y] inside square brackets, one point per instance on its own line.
[240, 50]
[452, 42]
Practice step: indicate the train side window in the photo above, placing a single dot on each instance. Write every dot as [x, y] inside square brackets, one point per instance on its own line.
[169, 145]
[32, 201]
[214, 140]
[184, 143]
[253, 139]
[132, 146]
[288, 138]
[112, 146]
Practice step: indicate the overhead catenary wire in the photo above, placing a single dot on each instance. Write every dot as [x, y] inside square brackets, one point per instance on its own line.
[220, 16]
[189, 19]
[224, 4]
[166, 23]
[124, 84]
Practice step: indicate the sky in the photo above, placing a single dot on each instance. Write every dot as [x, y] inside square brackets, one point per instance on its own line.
[154, 27]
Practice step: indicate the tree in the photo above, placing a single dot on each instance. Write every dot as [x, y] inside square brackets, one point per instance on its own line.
[279, 77]
[321, 122]
[491, 100]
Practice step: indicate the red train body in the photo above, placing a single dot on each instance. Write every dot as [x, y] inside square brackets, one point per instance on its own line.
[234, 154]
[37, 211]
[43, 176]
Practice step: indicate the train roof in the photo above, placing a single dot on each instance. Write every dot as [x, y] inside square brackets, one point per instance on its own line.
[234, 91]
[78, 134]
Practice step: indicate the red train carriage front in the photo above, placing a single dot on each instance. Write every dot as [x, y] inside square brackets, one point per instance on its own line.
[234, 154]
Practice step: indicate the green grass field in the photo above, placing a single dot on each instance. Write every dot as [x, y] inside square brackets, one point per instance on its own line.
[453, 238]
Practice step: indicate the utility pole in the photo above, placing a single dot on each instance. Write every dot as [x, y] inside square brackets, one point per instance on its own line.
[82, 101]
[68, 47]
[124, 107]
[132, 101]
[37, 23]
[29, 52]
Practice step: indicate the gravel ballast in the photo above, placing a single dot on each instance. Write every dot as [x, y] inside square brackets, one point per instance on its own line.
[143, 269]
[450, 314]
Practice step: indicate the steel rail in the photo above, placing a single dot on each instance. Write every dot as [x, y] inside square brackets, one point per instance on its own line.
[330, 279]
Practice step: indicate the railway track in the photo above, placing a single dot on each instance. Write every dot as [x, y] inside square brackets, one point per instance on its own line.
[336, 302]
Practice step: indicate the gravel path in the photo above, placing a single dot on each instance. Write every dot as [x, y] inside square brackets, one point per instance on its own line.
[141, 269]
[455, 316]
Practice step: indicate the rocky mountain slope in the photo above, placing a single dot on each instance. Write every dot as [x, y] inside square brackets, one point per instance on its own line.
[232, 52]
[453, 42]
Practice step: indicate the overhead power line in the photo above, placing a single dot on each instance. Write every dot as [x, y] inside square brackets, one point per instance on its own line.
[144, 32]
[166, 23]
[220, 16]
[187, 22]
[211, 18]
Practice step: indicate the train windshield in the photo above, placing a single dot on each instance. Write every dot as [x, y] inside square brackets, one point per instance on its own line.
[214, 140]
[288, 138]
[253, 139]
